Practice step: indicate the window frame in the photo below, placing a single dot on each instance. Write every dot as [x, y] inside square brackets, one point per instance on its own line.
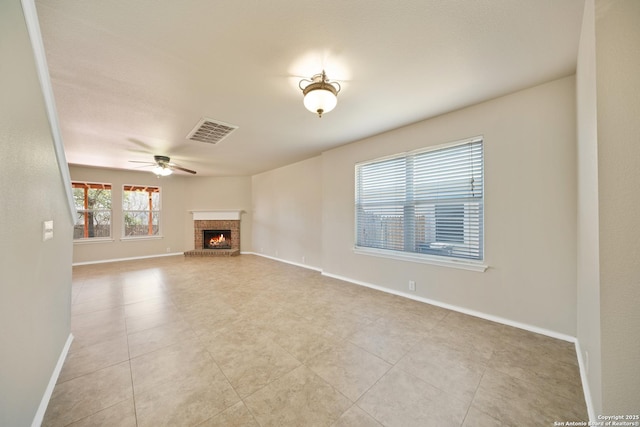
[150, 212]
[404, 202]
[75, 184]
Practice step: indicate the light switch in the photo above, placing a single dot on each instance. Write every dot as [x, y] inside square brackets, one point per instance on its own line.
[47, 230]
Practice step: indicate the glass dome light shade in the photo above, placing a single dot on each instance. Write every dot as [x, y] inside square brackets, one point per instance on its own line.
[320, 100]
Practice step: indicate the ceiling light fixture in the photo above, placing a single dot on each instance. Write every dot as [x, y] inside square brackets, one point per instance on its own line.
[320, 95]
[162, 170]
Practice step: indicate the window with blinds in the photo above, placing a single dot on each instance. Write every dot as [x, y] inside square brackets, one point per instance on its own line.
[427, 202]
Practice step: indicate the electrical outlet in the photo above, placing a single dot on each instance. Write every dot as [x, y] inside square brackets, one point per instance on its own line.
[303, 259]
[168, 250]
[412, 285]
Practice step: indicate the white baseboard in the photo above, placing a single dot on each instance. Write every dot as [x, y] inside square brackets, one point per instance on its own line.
[37, 419]
[103, 261]
[308, 267]
[497, 319]
[585, 383]
[553, 334]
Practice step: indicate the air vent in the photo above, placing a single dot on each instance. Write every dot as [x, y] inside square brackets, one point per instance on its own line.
[210, 131]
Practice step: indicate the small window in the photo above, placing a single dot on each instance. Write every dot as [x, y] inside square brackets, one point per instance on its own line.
[141, 211]
[93, 207]
[426, 202]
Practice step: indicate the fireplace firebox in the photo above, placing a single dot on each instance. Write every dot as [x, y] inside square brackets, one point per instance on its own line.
[216, 239]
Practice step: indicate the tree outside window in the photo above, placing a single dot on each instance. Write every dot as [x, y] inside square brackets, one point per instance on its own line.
[93, 207]
[141, 210]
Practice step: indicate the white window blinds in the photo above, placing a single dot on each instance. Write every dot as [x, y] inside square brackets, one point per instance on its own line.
[426, 202]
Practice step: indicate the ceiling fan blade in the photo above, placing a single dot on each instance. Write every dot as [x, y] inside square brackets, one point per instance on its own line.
[174, 166]
[138, 161]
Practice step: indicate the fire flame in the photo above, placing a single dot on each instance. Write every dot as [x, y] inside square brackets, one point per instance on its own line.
[217, 240]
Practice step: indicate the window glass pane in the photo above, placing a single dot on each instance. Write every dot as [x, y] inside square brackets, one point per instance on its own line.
[141, 219]
[135, 200]
[93, 204]
[425, 202]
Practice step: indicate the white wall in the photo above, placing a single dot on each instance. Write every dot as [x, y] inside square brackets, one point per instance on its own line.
[171, 220]
[229, 193]
[35, 283]
[588, 273]
[179, 196]
[530, 209]
[618, 106]
[287, 213]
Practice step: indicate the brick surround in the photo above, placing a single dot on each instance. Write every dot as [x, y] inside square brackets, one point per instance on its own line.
[216, 224]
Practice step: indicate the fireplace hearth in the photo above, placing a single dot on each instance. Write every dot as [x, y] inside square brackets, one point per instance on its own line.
[216, 233]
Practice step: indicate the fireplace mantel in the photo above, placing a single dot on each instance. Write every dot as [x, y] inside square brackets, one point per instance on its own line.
[226, 215]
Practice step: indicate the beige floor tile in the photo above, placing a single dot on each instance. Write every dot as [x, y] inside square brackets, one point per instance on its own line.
[400, 399]
[355, 417]
[199, 327]
[517, 402]
[97, 304]
[444, 367]
[558, 350]
[121, 415]
[537, 368]
[152, 319]
[83, 396]
[186, 401]
[299, 398]
[143, 291]
[147, 306]
[300, 337]
[477, 418]
[249, 357]
[82, 360]
[349, 369]
[386, 339]
[95, 327]
[153, 339]
[337, 319]
[185, 359]
[99, 293]
[236, 416]
[207, 321]
[467, 341]
[490, 331]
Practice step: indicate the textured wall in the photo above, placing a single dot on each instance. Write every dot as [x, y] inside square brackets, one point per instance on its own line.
[618, 105]
[35, 285]
[530, 209]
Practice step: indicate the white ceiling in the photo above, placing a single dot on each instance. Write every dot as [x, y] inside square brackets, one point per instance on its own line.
[132, 78]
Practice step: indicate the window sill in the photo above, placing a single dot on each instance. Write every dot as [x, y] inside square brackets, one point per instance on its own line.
[425, 259]
[93, 240]
[136, 238]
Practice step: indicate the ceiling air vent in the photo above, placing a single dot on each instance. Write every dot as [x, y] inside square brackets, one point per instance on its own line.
[210, 131]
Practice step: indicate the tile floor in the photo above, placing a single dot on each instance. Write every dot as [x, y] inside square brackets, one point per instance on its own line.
[247, 341]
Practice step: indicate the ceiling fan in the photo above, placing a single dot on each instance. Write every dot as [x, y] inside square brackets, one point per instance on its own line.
[162, 166]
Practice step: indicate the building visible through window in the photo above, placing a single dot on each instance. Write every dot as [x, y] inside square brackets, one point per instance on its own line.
[428, 201]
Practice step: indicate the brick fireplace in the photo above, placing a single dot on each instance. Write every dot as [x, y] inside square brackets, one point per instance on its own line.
[222, 231]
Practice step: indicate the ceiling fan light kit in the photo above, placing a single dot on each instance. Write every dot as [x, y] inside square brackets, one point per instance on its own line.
[162, 166]
[320, 94]
[161, 171]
